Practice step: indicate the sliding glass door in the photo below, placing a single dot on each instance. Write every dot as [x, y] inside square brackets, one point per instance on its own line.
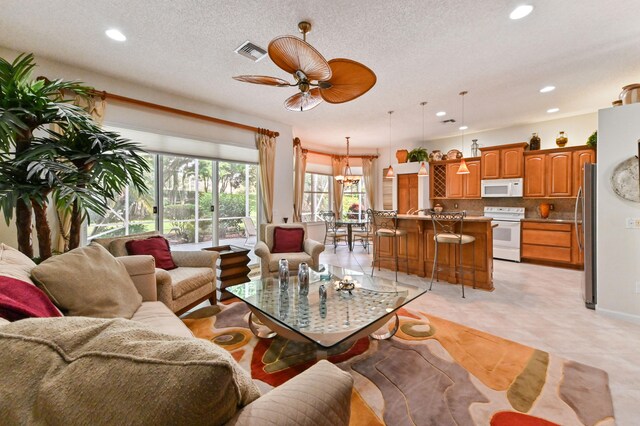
[237, 203]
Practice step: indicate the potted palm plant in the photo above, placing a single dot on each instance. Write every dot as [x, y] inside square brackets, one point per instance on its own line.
[77, 166]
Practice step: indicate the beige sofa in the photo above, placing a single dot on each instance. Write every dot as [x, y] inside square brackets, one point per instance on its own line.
[269, 261]
[319, 396]
[193, 282]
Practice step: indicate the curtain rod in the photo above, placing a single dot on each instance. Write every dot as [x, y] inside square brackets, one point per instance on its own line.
[296, 141]
[125, 99]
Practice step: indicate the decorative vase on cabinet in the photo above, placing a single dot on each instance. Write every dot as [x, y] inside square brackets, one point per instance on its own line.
[402, 155]
[534, 142]
[562, 140]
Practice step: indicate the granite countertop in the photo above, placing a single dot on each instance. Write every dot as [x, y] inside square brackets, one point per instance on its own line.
[427, 217]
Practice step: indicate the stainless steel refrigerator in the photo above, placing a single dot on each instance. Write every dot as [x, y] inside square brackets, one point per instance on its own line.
[585, 211]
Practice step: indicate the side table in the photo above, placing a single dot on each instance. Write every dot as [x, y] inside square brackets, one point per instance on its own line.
[232, 268]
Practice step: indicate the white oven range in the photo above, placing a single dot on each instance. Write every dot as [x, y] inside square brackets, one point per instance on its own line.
[506, 235]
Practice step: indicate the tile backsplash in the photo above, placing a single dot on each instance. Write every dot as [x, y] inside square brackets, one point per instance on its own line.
[563, 208]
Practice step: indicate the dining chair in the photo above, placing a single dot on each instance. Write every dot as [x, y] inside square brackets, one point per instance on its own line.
[333, 232]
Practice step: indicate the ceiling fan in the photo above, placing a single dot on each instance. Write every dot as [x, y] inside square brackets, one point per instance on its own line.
[335, 81]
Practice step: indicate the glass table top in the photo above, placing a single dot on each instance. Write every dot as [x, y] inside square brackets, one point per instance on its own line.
[341, 316]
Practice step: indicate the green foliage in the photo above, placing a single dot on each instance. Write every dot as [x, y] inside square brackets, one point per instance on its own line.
[418, 154]
[592, 142]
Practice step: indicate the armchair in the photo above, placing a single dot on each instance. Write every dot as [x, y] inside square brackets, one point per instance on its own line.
[191, 283]
[269, 261]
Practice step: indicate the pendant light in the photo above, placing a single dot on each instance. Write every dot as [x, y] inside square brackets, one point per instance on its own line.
[423, 168]
[463, 169]
[390, 174]
[348, 178]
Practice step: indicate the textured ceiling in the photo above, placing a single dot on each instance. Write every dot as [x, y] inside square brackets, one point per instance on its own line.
[420, 50]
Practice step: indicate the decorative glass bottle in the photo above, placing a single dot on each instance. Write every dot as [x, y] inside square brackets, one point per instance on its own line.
[475, 148]
[534, 142]
[562, 140]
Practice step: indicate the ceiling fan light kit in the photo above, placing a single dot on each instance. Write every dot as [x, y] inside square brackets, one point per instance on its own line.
[335, 81]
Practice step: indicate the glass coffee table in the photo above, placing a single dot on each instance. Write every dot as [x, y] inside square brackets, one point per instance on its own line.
[343, 316]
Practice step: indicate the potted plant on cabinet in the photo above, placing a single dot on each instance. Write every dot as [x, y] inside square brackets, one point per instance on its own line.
[77, 166]
[418, 154]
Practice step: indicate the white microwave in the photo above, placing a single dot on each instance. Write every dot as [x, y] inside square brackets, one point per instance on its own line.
[502, 188]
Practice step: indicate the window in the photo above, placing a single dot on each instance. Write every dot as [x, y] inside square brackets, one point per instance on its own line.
[317, 196]
[354, 202]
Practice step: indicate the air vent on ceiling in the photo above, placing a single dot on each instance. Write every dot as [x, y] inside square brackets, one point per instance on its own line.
[451, 120]
[251, 51]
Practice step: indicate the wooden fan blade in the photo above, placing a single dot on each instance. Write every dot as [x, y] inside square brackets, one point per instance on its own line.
[262, 79]
[292, 54]
[349, 80]
[304, 102]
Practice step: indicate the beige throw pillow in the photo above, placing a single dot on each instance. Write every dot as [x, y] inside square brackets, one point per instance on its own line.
[15, 264]
[88, 281]
[73, 371]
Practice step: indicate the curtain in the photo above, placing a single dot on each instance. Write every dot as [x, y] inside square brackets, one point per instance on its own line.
[299, 169]
[338, 164]
[368, 168]
[266, 144]
[96, 109]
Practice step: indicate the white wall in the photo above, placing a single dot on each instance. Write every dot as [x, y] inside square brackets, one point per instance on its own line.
[578, 128]
[137, 118]
[618, 248]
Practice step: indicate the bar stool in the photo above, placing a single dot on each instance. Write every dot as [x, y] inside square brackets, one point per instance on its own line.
[444, 232]
[385, 225]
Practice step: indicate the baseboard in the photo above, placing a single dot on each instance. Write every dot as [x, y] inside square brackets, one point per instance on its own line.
[619, 315]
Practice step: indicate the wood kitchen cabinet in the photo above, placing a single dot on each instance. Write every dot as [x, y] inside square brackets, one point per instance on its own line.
[535, 181]
[503, 161]
[555, 173]
[455, 182]
[407, 192]
[471, 182]
[551, 243]
[491, 164]
[560, 177]
[580, 158]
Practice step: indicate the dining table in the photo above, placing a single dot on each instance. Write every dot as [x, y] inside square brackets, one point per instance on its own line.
[349, 224]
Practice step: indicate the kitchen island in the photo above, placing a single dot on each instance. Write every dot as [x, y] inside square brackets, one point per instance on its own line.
[422, 248]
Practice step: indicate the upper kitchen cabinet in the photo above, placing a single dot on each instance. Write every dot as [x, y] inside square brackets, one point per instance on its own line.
[560, 177]
[580, 158]
[455, 184]
[503, 161]
[535, 181]
[471, 182]
[555, 173]
[445, 182]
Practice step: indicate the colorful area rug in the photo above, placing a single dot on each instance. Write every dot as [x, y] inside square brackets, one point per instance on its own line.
[432, 372]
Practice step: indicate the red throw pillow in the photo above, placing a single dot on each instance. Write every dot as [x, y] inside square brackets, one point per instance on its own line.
[19, 300]
[158, 247]
[288, 240]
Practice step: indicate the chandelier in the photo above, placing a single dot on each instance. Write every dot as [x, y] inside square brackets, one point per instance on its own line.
[348, 178]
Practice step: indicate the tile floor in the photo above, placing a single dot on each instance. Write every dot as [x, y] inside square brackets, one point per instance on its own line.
[541, 307]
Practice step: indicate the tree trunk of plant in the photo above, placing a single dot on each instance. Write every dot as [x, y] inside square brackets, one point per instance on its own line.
[23, 226]
[43, 231]
[76, 226]
[23, 209]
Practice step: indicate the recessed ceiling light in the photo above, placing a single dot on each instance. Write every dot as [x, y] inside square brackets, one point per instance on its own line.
[521, 11]
[547, 89]
[114, 34]
[463, 127]
[441, 114]
[552, 110]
